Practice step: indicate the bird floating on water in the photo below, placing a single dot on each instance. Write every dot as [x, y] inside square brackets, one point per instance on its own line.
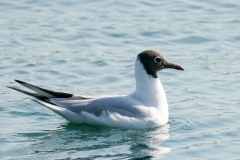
[146, 107]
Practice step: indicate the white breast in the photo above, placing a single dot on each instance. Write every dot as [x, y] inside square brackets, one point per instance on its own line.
[150, 92]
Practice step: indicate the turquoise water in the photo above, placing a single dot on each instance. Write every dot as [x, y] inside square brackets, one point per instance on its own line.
[89, 48]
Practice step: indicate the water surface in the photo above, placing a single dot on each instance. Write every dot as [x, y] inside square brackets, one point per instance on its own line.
[89, 48]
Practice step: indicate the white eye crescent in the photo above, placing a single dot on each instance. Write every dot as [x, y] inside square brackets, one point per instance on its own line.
[157, 59]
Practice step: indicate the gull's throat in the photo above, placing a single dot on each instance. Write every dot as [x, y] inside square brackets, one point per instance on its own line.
[148, 89]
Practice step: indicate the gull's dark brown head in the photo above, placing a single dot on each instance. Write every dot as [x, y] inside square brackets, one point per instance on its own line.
[154, 62]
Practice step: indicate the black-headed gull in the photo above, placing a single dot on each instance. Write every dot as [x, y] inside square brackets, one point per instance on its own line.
[146, 107]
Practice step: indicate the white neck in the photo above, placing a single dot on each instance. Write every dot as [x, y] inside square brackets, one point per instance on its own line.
[148, 89]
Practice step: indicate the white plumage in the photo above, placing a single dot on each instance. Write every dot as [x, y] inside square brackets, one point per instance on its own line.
[146, 107]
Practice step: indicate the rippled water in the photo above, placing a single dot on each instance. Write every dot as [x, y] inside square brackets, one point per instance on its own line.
[89, 47]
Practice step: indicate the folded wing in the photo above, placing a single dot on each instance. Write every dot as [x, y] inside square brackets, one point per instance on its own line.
[60, 101]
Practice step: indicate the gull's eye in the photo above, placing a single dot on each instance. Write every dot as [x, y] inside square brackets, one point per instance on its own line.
[157, 59]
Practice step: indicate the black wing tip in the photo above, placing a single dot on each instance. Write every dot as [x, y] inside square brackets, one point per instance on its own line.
[21, 82]
[53, 93]
[35, 95]
[11, 87]
[16, 89]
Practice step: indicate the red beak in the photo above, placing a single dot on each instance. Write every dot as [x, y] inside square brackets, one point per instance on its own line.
[174, 66]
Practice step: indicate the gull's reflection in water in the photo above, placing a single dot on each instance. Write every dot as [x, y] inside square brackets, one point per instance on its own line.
[132, 143]
[82, 141]
[150, 144]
